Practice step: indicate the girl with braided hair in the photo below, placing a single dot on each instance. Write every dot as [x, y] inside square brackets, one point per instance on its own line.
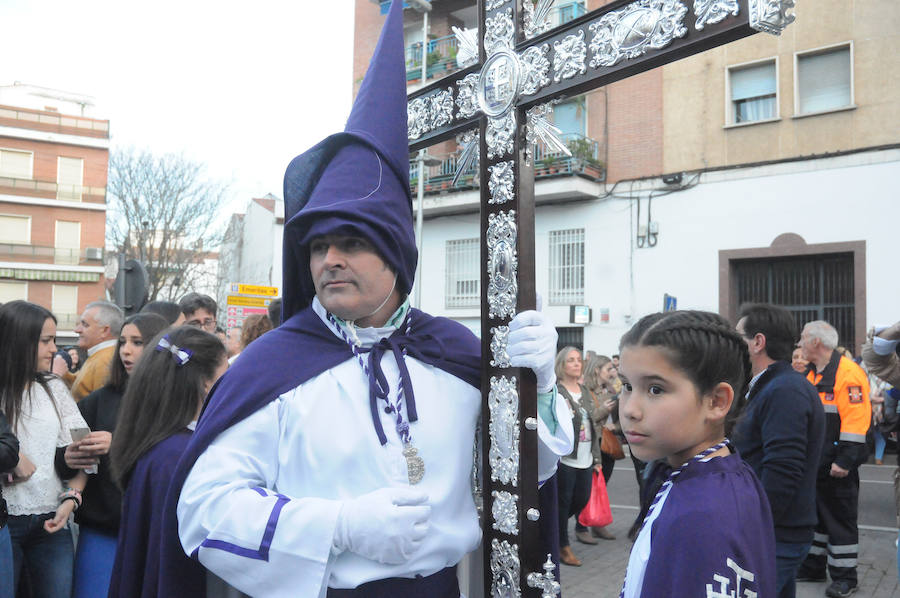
[708, 530]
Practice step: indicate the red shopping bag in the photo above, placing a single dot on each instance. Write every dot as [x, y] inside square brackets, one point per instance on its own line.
[597, 512]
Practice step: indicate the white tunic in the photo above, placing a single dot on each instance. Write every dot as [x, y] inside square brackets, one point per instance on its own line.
[261, 503]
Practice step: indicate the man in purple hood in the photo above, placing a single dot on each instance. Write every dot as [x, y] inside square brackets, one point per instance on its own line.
[334, 459]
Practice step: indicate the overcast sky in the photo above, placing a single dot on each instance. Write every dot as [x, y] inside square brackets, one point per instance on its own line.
[241, 86]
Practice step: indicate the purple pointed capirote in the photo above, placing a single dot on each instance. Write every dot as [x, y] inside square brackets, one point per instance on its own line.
[356, 182]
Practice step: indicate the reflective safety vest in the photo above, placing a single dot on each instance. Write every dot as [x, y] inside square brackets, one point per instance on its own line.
[844, 391]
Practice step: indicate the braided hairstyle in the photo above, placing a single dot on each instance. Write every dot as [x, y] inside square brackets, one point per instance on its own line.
[703, 345]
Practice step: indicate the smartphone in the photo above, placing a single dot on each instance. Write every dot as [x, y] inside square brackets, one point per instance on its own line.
[78, 434]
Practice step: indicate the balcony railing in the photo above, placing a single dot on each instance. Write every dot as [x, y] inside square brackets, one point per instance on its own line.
[43, 120]
[584, 161]
[51, 190]
[92, 256]
[440, 55]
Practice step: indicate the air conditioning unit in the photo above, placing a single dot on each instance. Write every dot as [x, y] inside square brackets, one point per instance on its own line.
[93, 253]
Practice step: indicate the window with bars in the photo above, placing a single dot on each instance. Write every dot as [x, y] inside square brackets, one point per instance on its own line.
[818, 287]
[567, 266]
[463, 276]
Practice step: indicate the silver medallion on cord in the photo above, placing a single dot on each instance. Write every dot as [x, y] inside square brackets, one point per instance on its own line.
[415, 466]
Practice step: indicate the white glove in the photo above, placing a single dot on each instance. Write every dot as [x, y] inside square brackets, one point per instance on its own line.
[532, 344]
[386, 525]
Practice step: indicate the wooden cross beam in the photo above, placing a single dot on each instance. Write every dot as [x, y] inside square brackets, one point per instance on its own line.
[521, 67]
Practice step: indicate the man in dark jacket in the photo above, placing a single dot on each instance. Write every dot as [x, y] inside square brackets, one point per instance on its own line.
[780, 435]
[9, 458]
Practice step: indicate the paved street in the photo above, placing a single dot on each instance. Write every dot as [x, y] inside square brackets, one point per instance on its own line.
[604, 564]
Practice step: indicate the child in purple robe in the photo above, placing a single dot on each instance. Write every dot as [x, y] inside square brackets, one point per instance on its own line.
[162, 401]
[708, 531]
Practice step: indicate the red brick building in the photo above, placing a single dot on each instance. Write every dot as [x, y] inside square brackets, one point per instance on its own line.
[53, 167]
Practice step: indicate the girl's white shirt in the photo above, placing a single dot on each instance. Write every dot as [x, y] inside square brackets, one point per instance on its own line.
[41, 428]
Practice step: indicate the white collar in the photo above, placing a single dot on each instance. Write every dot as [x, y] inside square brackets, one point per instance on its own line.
[366, 337]
[100, 346]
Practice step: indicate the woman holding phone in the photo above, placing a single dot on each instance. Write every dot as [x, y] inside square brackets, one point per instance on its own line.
[41, 412]
[99, 516]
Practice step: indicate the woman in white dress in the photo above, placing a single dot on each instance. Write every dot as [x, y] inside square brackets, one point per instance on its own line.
[41, 413]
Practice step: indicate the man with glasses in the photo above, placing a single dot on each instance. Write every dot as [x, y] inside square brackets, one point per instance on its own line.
[199, 311]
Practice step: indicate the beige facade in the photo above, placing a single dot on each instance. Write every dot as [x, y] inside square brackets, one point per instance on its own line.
[698, 127]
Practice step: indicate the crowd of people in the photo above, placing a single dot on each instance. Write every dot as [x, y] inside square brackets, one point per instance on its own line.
[802, 418]
[351, 424]
[80, 426]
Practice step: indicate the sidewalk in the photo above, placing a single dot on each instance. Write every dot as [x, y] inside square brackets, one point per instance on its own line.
[604, 565]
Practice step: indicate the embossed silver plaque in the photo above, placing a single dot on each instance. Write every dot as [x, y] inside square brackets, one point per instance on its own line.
[569, 56]
[710, 12]
[498, 86]
[503, 288]
[499, 31]
[505, 569]
[505, 513]
[770, 16]
[501, 134]
[503, 454]
[501, 182]
[499, 342]
[535, 67]
[631, 31]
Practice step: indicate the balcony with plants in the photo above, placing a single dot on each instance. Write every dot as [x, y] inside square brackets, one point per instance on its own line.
[584, 162]
[440, 54]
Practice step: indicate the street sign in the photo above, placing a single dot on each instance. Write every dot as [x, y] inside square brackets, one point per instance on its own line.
[247, 301]
[252, 289]
[670, 303]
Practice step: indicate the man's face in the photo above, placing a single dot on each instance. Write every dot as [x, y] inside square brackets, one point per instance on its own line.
[807, 345]
[233, 341]
[90, 331]
[201, 319]
[351, 279]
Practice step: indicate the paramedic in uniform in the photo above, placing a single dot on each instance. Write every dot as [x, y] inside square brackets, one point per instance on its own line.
[843, 388]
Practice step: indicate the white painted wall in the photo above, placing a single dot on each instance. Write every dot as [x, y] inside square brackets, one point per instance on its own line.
[848, 198]
[260, 260]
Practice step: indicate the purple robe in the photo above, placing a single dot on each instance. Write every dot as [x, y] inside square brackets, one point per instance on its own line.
[144, 530]
[714, 531]
[298, 350]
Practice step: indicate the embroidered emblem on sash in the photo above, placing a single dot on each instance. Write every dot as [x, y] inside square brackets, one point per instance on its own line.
[740, 576]
[856, 394]
[829, 396]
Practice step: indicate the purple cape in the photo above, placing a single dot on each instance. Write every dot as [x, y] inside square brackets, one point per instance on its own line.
[145, 529]
[300, 349]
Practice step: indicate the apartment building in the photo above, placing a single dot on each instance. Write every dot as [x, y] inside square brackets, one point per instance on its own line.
[53, 165]
[762, 170]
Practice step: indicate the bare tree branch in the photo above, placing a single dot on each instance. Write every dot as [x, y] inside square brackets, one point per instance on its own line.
[164, 209]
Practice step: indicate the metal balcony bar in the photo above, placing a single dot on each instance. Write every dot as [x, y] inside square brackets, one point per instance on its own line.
[47, 189]
[58, 255]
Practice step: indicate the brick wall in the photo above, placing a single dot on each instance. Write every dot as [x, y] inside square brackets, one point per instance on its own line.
[43, 223]
[45, 159]
[41, 292]
[368, 22]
